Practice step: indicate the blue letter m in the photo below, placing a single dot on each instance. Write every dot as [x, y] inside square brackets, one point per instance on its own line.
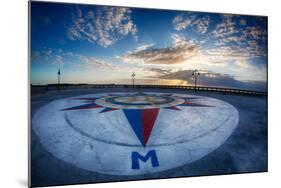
[136, 156]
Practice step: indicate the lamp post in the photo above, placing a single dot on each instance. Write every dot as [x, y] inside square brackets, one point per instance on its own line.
[59, 80]
[195, 73]
[133, 77]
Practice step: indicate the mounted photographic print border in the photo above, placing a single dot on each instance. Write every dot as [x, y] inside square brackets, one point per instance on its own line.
[125, 93]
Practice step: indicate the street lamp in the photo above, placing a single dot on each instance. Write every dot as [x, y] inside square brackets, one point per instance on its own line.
[195, 73]
[133, 77]
[59, 80]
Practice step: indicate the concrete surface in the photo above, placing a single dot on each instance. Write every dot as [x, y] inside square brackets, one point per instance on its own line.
[244, 151]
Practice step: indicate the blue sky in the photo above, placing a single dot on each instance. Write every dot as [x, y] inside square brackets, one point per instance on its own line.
[102, 44]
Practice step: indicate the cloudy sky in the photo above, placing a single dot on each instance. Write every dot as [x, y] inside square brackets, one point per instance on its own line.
[98, 44]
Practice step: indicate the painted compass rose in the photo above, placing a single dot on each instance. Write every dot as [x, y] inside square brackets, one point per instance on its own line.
[133, 133]
[140, 109]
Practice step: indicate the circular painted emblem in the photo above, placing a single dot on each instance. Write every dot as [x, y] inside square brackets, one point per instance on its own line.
[139, 101]
[133, 133]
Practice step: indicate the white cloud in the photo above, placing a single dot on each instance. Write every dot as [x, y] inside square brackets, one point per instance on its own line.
[58, 59]
[93, 63]
[202, 24]
[180, 22]
[255, 33]
[179, 52]
[80, 62]
[209, 78]
[233, 31]
[225, 28]
[184, 21]
[41, 56]
[104, 26]
[144, 47]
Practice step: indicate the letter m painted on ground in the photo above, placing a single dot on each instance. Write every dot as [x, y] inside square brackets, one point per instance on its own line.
[136, 156]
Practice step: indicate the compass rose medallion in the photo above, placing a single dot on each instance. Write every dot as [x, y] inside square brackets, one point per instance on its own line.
[140, 109]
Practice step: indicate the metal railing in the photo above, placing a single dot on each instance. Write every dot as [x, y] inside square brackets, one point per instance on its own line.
[50, 87]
